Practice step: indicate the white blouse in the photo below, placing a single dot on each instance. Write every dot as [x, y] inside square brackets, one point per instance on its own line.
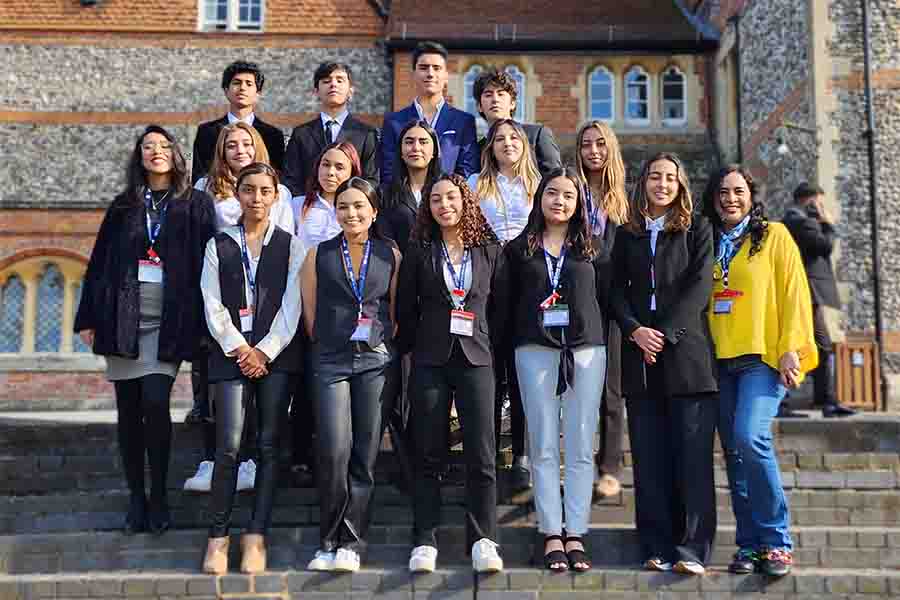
[507, 215]
[319, 223]
[228, 211]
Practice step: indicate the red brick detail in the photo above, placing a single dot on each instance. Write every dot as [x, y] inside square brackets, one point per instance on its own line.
[42, 252]
[883, 79]
[342, 39]
[775, 118]
[23, 387]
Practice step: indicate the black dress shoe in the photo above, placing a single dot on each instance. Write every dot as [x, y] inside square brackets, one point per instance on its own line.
[837, 410]
[786, 412]
[136, 519]
[521, 473]
[158, 519]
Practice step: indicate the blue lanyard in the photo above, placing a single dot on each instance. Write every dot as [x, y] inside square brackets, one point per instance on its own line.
[593, 210]
[245, 255]
[153, 232]
[458, 284]
[555, 274]
[358, 287]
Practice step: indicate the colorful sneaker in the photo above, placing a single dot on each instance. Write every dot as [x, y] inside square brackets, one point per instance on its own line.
[744, 562]
[775, 562]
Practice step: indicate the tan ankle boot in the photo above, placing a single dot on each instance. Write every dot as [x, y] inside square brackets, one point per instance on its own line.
[216, 560]
[253, 553]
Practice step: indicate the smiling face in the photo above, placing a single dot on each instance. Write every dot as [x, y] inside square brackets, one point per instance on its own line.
[256, 194]
[335, 90]
[446, 204]
[508, 146]
[662, 186]
[430, 74]
[594, 151]
[559, 200]
[157, 153]
[334, 169]
[239, 150]
[242, 91]
[496, 103]
[734, 200]
[416, 148]
[354, 212]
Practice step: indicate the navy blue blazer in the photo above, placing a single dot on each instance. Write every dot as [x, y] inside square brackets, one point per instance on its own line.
[456, 135]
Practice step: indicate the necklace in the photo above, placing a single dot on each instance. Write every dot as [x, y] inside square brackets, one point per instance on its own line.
[157, 203]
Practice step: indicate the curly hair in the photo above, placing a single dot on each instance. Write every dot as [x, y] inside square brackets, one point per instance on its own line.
[759, 222]
[682, 206]
[496, 78]
[473, 227]
[612, 175]
[579, 232]
[221, 181]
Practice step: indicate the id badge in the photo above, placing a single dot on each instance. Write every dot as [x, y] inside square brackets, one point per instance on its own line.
[556, 316]
[246, 320]
[150, 271]
[722, 307]
[462, 322]
[362, 331]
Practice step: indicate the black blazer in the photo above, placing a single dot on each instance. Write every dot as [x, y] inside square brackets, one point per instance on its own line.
[816, 241]
[397, 217]
[208, 133]
[308, 140]
[423, 306]
[684, 264]
[110, 301]
[544, 148]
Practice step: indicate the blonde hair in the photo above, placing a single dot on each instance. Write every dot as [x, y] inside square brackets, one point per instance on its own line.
[679, 218]
[614, 200]
[487, 188]
[222, 180]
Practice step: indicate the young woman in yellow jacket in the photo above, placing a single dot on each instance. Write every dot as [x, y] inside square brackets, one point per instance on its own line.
[760, 318]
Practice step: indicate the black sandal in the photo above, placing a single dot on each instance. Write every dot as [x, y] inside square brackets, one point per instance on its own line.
[577, 557]
[555, 557]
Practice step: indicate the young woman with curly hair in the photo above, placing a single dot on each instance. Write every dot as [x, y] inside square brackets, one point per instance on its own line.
[760, 316]
[449, 309]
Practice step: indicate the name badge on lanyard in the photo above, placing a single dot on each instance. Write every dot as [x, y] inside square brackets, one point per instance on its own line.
[246, 314]
[462, 322]
[723, 302]
[246, 320]
[363, 330]
[150, 269]
[555, 315]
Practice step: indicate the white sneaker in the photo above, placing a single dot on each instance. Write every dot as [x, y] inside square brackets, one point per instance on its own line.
[246, 476]
[423, 559]
[657, 564]
[485, 558]
[346, 560]
[689, 567]
[202, 480]
[322, 561]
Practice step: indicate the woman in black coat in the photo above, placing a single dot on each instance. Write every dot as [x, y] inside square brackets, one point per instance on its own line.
[662, 262]
[142, 309]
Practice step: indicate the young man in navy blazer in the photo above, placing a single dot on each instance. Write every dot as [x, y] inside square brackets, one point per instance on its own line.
[333, 84]
[455, 128]
[242, 83]
[496, 96]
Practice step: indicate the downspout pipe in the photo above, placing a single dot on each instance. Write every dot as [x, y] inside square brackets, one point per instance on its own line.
[736, 22]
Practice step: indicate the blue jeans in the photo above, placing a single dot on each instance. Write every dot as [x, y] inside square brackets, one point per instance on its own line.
[750, 393]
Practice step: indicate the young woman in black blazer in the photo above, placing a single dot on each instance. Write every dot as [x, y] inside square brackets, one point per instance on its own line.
[556, 280]
[662, 262]
[448, 308]
[251, 292]
[142, 309]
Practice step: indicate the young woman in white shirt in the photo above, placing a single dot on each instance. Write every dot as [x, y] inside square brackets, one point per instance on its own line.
[505, 188]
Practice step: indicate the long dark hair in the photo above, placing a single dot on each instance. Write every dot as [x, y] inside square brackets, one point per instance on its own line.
[400, 182]
[136, 174]
[473, 227]
[578, 234]
[369, 191]
[759, 223]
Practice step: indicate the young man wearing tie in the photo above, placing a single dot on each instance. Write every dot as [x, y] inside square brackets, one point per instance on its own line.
[455, 128]
[333, 84]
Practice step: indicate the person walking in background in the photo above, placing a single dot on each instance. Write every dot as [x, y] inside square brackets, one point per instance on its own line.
[598, 160]
[251, 294]
[812, 226]
[761, 322]
[142, 309]
[662, 265]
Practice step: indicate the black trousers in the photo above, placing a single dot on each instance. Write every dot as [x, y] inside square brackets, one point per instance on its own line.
[144, 425]
[348, 422]
[395, 417]
[431, 391]
[507, 385]
[303, 417]
[672, 450]
[267, 397]
[823, 375]
[612, 409]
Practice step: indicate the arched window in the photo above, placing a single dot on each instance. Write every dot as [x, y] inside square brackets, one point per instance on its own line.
[674, 97]
[12, 308]
[48, 326]
[521, 101]
[470, 105]
[637, 96]
[77, 344]
[602, 94]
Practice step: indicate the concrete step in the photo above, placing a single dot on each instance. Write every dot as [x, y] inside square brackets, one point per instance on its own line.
[292, 548]
[458, 584]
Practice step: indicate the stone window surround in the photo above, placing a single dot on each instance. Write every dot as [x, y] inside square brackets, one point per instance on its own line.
[612, 81]
[684, 97]
[638, 70]
[520, 73]
[232, 19]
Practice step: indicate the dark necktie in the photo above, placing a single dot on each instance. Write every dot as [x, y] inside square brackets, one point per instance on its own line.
[330, 127]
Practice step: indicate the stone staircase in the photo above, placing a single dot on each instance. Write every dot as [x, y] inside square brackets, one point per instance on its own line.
[62, 499]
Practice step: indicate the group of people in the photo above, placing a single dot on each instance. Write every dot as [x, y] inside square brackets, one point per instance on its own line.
[365, 282]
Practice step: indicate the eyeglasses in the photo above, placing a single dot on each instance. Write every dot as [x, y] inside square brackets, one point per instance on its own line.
[151, 146]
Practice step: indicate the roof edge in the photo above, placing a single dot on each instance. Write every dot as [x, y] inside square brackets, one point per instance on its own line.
[700, 46]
